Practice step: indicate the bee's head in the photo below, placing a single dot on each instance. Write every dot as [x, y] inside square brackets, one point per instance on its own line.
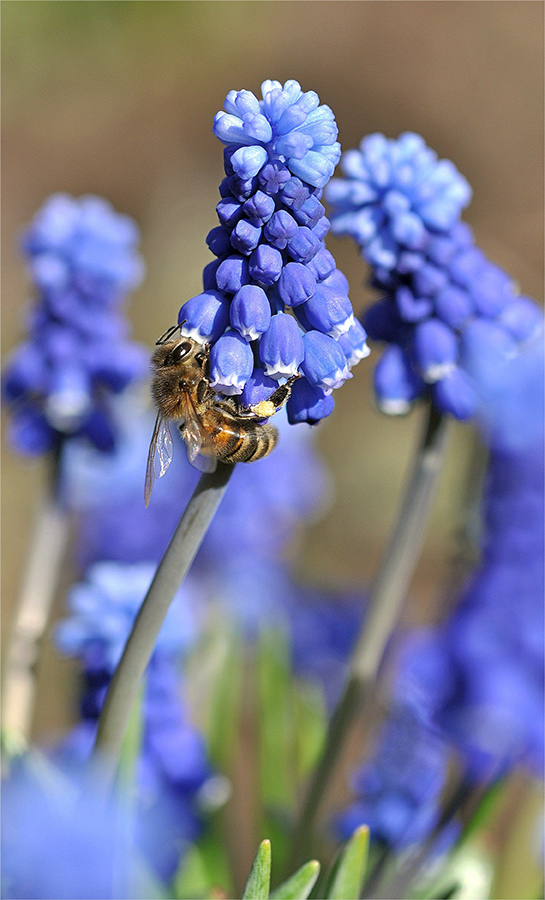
[176, 365]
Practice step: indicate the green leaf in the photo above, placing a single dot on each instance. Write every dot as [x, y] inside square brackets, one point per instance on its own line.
[299, 886]
[204, 867]
[277, 749]
[310, 726]
[486, 809]
[214, 678]
[259, 880]
[350, 870]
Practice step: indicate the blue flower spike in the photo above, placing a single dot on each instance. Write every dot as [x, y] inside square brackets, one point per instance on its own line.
[58, 384]
[402, 205]
[273, 282]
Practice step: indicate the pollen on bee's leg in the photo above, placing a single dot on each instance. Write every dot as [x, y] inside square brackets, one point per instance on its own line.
[264, 409]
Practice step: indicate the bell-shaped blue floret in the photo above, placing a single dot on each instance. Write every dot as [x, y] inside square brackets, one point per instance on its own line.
[69, 399]
[218, 241]
[324, 364]
[231, 363]
[322, 265]
[245, 237]
[308, 403]
[523, 318]
[232, 273]
[205, 316]
[304, 245]
[281, 347]
[454, 394]
[29, 432]
[296, 284]
[354, 344]
[265, 265]
[435, 349]
[454, 306]
[411, 307]
[396, 383]
[330, 311]
[258, 387]
[259, 208]
[280, 229]
[250, 312]
[229, 211]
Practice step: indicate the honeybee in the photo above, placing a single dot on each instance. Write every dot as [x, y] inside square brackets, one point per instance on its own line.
[214, 429]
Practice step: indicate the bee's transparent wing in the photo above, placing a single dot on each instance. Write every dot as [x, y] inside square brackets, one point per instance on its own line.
[160, 454]
[200, 447]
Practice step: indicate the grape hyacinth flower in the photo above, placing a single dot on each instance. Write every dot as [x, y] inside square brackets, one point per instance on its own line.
[274, 304]
[83, 261]
[398, 789]
[172, 765]
[479, 676]
[62, 839]
[402, 206]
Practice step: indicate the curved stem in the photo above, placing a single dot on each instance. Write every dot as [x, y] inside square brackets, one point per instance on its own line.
[170, 573]
[36, 598]
[386, 599]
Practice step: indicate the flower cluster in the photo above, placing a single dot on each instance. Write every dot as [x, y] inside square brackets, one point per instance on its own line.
[61, 838]
[83, 261]
[399, 787]
[274, 305]
[479, 677]
[172, 764]
[402, 205]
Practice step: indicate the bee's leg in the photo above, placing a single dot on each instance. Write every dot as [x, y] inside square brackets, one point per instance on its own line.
[276, 401]
[282, 393]
[205, 361]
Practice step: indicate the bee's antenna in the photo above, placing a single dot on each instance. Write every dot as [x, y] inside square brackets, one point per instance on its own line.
[169, 332]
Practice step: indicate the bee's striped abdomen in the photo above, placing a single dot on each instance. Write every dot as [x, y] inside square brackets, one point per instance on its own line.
[242, 441]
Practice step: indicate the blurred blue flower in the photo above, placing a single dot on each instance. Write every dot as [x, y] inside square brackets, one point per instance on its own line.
[172, 763]
[103, 609]
[402, 206]
[479, 677]
[398, 789]
[324, 626]
[62, 839]
[280, 152]
[58, 383]
[395, 193]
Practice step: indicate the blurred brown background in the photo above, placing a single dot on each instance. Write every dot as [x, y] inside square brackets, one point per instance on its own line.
[117, 98]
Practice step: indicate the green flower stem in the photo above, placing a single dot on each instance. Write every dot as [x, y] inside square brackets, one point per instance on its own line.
[170, 573]
[45, 558]
[386, 599]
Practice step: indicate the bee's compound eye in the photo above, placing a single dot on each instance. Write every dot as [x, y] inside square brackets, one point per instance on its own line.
[179, 352]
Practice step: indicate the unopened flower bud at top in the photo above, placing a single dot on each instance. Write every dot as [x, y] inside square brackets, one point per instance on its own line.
[280, 152]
